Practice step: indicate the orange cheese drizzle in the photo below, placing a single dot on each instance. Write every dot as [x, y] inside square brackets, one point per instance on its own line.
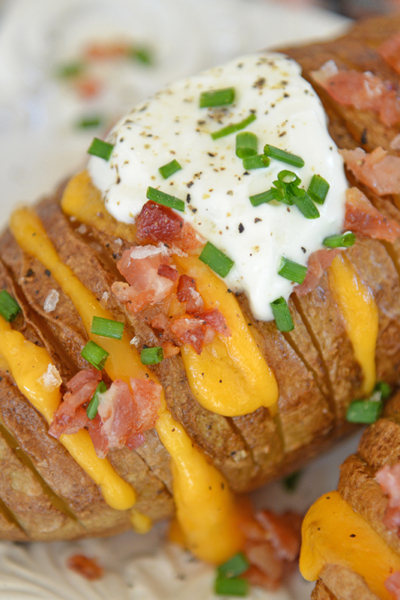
[247, 381]
[332, 533]
[206, 508]
[360, 312]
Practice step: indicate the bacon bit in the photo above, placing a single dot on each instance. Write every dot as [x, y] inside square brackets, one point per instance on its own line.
[102, 51]
[362, 218]
[69, 418]
[189, 331]
[168, 272]
[87, 567]
[160, 322]
[147, 395]
[395, 143]
[98, 437]
[272, 546]
[392, 584]
[389, 481]
[159, 223]
[169, 349]
[187, 292]
[364, 91]
[318, 262]
[390, 51]
[117, 413]
[135, 441]
[380, 172]
[216, 320]
[139, 265]
[88, 87]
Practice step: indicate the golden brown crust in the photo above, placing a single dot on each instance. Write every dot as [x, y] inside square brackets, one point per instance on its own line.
[343, 584]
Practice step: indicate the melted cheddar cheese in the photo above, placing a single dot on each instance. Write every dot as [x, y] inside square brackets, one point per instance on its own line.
[360, 313]
[201, 515]
[230, 377]
[332, 533]
[27, 364]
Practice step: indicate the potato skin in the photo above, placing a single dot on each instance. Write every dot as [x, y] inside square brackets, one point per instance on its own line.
[315, 366]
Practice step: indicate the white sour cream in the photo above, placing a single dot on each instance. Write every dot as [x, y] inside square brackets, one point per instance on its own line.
[213, 182]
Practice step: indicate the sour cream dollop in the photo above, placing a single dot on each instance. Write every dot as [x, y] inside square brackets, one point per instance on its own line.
[213, 183]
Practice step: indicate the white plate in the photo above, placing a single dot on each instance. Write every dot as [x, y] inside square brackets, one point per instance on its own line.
[39, 147]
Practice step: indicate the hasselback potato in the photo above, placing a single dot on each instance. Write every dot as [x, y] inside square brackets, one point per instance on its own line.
[46, 495]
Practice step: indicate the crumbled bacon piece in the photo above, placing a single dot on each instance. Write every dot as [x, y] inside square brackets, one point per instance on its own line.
[102, 51]
[169, 349]
[89, 568]
[379, 171]
[364, 91]
[168, 272]
[135, 440]
[159, 223]
[283, 532]
[317, 264]
[98, 437]
[390, 51]
[216, 320]
[117, 413]
[392, 584]
[389, 481]
[88, 87]
[147, 395]
[187, 292]
[160, 322]
[139, 265]
[189, 330]
[69, 417]
[362, 218]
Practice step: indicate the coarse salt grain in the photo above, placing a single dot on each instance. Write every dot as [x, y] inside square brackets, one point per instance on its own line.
[51, 301]
[51, 379]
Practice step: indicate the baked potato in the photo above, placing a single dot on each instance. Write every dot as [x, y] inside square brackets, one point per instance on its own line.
[44, 492]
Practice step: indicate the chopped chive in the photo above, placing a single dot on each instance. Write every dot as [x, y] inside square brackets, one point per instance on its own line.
[265, 197]
[291, 483]
[260, 161]
[107, 328]
[70, 70]
[286, 177]
[282, 316]
[318, 189]
[234, 586]
[9, 308]
[234, 567]
[89, 122]
[384, 389]
[101, 149]
[95, 355]
[91, 410]
[344, 240]
[286, 157]
[283, 190]
[152, 356]
[246, 144]
[364, 411]
[165, 199]
[234, 127]
[217, 97]
[216, 260]
[292, 270]
[170, 168]
[303, 202]
[143, 55]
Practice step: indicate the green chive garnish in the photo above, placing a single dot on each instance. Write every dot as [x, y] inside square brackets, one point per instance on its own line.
[216, 260]
[318, 189]
[282, 316]
[291, 483]
[233, 128]
[170, 168]
[292, 270]
[101, 149]
[303, 202]
[143, 55]
[89, 122]
[95, 355]
[107, 328]
[70, 70]
[151, 356]
[234, 567]
[286, 157]
[344, 240]
[91, 410]
[260, 161]
[364, 411]
[234, 586]
[246, 144]
[285, 177]
[384, 389]
[9, 308]
[217, 97]
[265, 197]
[165, 199]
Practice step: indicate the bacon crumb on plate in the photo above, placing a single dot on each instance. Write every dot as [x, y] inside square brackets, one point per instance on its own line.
[88, 568]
